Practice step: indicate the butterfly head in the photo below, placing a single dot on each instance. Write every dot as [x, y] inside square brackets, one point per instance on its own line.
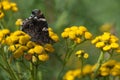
[36, 14]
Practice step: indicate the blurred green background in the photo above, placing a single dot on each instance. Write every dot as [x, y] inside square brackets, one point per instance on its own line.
[65, 13]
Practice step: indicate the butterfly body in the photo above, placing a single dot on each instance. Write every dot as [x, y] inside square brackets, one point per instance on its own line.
[37, 27]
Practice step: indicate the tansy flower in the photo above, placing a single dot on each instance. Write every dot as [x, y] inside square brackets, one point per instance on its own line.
[88, 35]
[53, 35]
[110, 67]
[34, 59]
[5, 31]
[30, 44]
[107, 47]
[38, 49]
[105, 36]
[86, 55]
[19, 33]
[14, 47]
[72, 35]
[82, 28]
[15, 9]
[77, 40]
[43, 57]
[49, 48]
[106, 42]
[24, 39]
[18, 22]
[31, 51]
[81, 53]
[1, 14]
[18, 53]
[114, 45]
[72, 74]
[6, 5]
[76, 34]
[65, 34]
[100, 44]
[87, 69]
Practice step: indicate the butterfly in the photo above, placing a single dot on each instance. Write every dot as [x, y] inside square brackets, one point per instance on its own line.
[37, 27]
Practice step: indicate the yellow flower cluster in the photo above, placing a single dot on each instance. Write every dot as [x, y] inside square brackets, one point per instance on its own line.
[76, 33]
[53, 35]
[7, 5]
[81, 53]
[20, 44]
[18, 22]
[111, 67]
[106, 27]
[3, 34]
[73, 74]
[106, 42]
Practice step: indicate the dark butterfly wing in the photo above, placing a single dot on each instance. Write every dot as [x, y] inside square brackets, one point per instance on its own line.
[37, 27]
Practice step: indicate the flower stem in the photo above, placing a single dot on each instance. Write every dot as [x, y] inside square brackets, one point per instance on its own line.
[34, 71]
[99, 62]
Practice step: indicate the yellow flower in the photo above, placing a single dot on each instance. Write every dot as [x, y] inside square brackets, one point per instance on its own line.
[87, 69]
[51, 33]
[6, 5]
[72, 74]
[114, 45]
[69, 75]
[113, 38]
[15, 9]
[66, 29]
[55, 38]
[96, 40]
[79, 32]
[106, 27]
[30, 44]
[34, 59]
[49, 48]
[18, 22]
[85, 55]
[24, 48]
[24, 39]
[31, 51]
[13, 4]
[81, 53]
[72, 35]
[74, 28]
[8, 41]
[82, 28]
[88, 35]
[107, 47]
[18, 33]
[64, 34]
[50, 29]
[5, 31]
[18, 53]
[77, 40]
[115, 72]
[12, 48]
[118, 50]
[100, 44]
[104, 71]
[43, 57]
[1, 14]
[105, 36]
[38, 49]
